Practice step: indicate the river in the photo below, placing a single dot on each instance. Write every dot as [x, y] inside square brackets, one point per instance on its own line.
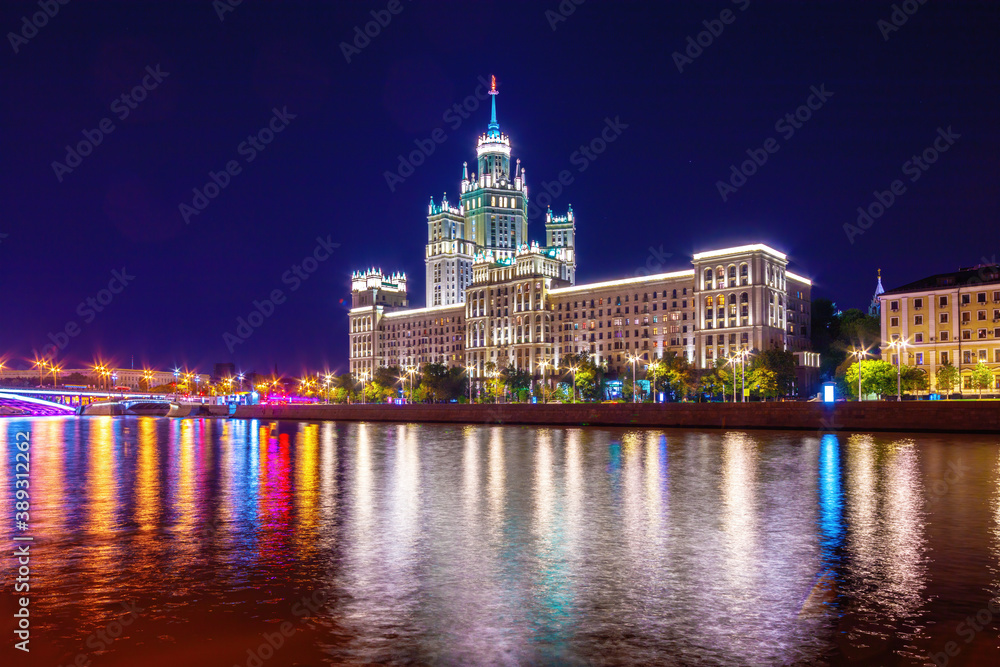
[230, 542]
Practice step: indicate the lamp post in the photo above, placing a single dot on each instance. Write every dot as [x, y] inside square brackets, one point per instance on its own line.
[468, 371]
[573, 370]
[542, 365]
[744, 353]
[731, 361]
[860, 354]
[898, 346]
[633, 359]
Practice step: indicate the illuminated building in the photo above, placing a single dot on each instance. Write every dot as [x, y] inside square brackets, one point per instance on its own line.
[949, 318]
[495, 296]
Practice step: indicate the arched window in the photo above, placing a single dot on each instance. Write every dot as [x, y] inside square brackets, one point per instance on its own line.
[744, 298]
[708, 302]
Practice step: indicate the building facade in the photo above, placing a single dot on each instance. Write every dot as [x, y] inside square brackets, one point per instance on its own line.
[495, 297]
[949, 318]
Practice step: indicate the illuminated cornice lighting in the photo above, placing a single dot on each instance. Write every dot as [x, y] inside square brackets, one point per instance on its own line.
[740, 249]
[796, 277]
[459, 307]
[626, 281]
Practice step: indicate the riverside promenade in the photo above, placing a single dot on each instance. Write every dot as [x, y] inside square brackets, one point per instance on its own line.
[911, 416]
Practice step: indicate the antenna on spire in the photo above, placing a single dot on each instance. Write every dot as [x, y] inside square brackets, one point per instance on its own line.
[494, 126]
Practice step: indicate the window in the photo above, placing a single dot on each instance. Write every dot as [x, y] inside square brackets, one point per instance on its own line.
[918, 338]
[943, 335]
[893, 321]
[967, 357]
[981, 297]
[894, 306]
[944, 358]
[982, 334]
[966, 299]
[943, 301]
[918, 304]
[944, 318]
[981, 315]
[918, 320]
[966, 334]
[920, 358]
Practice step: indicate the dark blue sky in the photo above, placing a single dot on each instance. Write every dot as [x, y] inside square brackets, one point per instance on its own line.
[323, 174]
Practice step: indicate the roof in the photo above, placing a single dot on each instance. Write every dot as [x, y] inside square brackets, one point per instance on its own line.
[984, 274]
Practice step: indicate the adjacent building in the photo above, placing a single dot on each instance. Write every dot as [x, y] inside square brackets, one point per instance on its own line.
[496, 298]
[948, 318]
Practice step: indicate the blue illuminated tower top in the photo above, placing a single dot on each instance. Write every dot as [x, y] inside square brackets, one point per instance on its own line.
[493, 129]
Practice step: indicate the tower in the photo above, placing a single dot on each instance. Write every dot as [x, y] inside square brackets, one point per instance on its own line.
[495, 200]
[875, 308]
[560, 232]
[448, 259]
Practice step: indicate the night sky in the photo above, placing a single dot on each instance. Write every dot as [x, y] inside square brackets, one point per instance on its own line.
[211, 83]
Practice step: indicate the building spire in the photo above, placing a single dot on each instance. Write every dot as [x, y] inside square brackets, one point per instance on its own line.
[494, 127]
[875, 308]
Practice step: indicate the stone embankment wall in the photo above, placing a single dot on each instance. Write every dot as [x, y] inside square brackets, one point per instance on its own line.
[915, 416]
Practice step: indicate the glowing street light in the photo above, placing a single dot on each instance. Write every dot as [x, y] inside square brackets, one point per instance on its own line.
[633, 359]
[860, 354]
[573, 370]
[542, 365]
[468, 370]
[898, 346]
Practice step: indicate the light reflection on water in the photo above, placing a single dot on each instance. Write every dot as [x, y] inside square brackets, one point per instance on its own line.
[485, 544]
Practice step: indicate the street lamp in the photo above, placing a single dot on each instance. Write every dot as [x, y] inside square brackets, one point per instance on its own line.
[633, 359]
[898, 346]
[573, 370]
[732, 362]
[468, 370]
[860, 354]
[744, 353]
[542, 365]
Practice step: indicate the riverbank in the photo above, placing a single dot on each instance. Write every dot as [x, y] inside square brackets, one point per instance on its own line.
[916, 416]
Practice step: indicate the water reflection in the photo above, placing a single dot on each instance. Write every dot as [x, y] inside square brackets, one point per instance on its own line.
[509, 545]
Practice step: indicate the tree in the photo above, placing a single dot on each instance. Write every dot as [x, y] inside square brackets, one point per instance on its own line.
[782, 364]
[877, 377]
[517, 380]
[982, 378]
[765, 381]
[718, 381]
[914, 378]
[946, 378]
[589, 376]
